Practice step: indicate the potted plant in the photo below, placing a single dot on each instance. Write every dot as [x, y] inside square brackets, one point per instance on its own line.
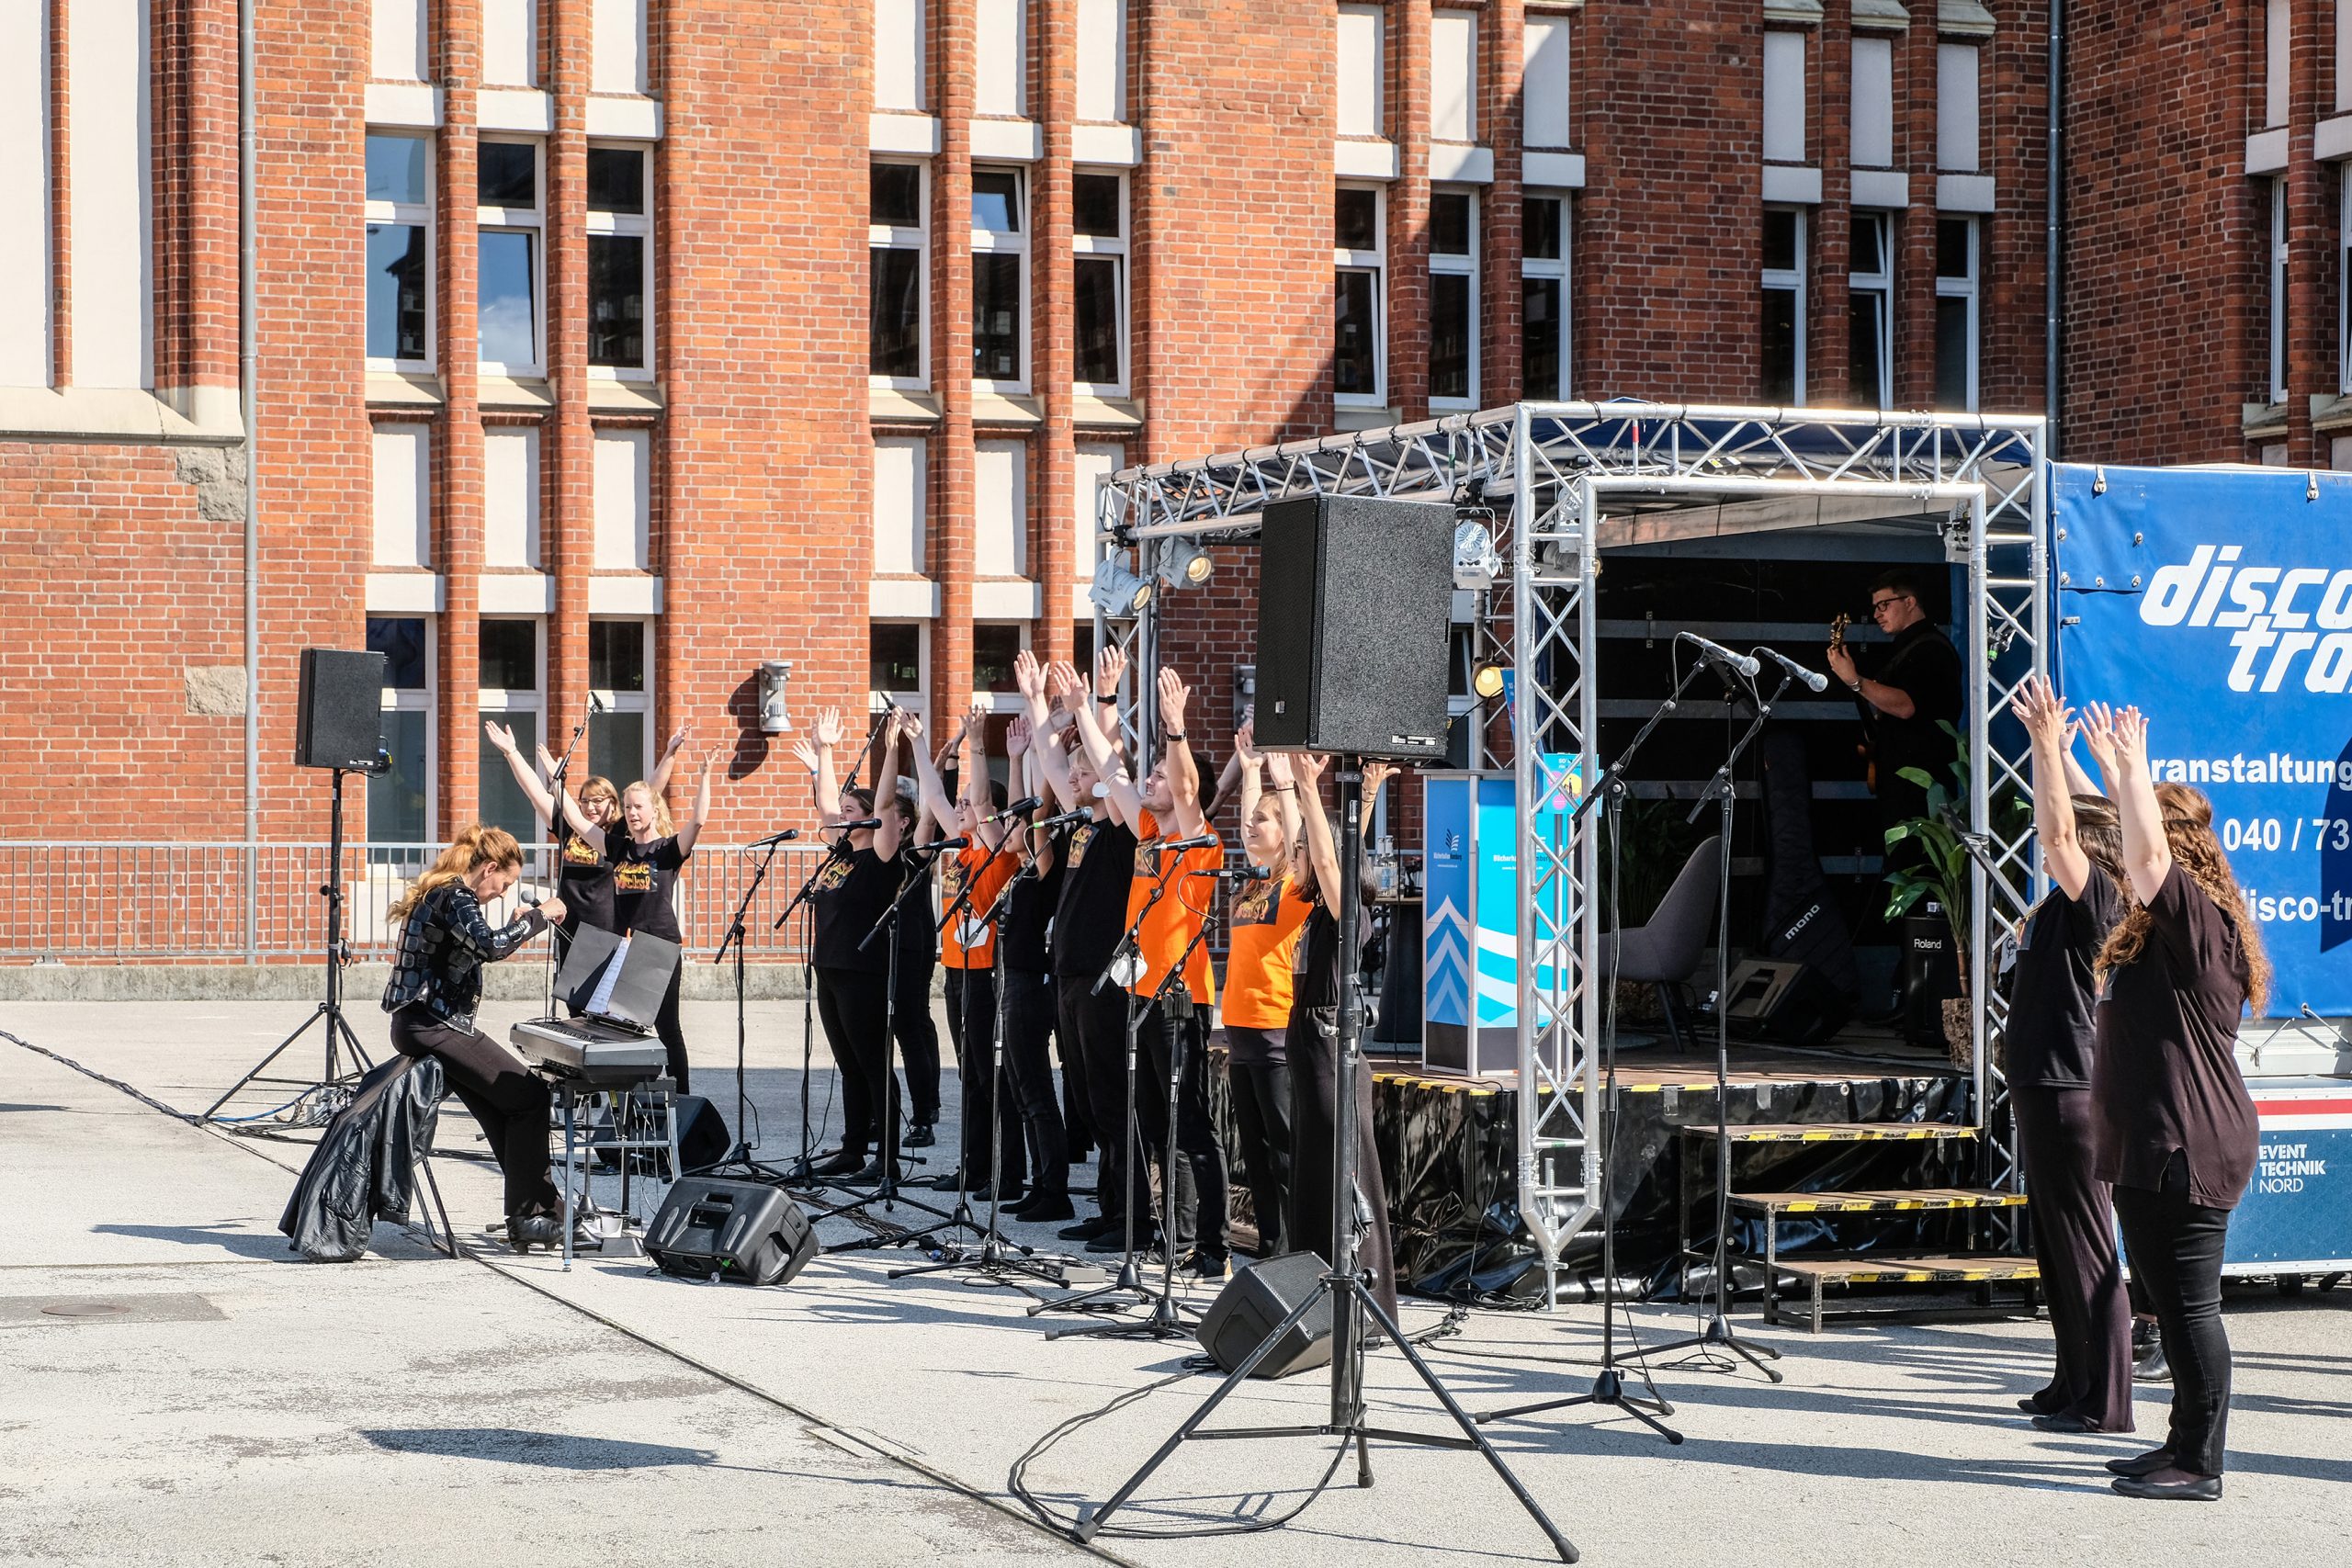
[1940, 871]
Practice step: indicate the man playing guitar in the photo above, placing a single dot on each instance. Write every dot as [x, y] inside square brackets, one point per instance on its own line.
[1914, 688]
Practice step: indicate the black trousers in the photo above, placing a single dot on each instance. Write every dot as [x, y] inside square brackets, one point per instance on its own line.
[507, 1099]
[1313, 1047]
[1189, 1152]
[1079, 1134]
[2073, 1239]
[1029, 1007]
[1258, 1076]
[1097, 1021]
[674, 1036]
[918, 1038]
[971, 1024]
[2174, 1247]
[852, 1005]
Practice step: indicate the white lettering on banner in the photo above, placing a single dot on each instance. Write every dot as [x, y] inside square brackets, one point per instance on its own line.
[2268, 632]
[2279, 767]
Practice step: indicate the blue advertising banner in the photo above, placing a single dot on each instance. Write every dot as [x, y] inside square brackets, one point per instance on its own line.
[1470, 912]
[2220, 603]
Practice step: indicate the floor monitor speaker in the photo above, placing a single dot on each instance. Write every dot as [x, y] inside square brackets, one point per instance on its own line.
[339, 711]
[1355, 619]
[1783, 1002]
[1253, 1305]
[740, 1231]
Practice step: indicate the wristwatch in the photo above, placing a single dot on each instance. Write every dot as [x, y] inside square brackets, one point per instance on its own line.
[1855, 684]
[1174, 734]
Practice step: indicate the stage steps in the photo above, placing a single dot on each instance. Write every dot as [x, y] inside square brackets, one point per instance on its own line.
[1876, 1269]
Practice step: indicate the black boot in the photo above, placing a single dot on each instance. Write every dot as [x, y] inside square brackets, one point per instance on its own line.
[2148, 1363]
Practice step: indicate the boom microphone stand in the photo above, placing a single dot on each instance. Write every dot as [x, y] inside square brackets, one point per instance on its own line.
[1609, 1387]
[1345, 1286]
[333, 1084]
[1126, 965]
[1717, 1334]
[992, 1259]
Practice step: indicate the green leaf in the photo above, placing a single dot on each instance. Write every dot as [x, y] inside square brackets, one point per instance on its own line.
[1900, 904]
[1919, 776]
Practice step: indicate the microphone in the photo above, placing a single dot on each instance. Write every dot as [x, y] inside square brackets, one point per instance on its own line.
[774, 839]
[596, 703]
[941, 846]
[1239, 873]
[1720, 654]
[1812, 680]
[861, 822]
[1178, 846]
[1018, 808]
[1064, 818]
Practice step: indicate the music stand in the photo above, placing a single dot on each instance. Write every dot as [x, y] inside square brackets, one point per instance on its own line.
[1344, 1284]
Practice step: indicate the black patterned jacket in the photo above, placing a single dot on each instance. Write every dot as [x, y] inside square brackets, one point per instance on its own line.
[443, 948]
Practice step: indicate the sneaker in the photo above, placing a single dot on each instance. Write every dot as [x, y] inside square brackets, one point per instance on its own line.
[1088, 1230]
[843, 1162]
[1043, 1208]
[1115, 1240]
[870, 1175]
[921, 1135]
[1201, 1265]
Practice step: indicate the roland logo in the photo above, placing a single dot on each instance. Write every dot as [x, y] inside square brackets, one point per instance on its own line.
[2284, 622]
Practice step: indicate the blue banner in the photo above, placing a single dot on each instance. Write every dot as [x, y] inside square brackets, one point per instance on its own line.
[2220, 603]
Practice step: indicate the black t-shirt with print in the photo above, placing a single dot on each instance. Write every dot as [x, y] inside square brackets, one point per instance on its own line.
[918, 937]
[1030, 911]
[584, 882]
[2053, 1003]
[644, 878]
[1093, 913]
[851, 892]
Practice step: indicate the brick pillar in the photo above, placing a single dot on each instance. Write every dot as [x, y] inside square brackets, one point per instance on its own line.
[456, 466]
[567, 441]
[61, 195]
[1052, 463]
[1915, 227]
[2311, 239]
[1829, 146]
[949, 526]
[1409, 210]
[1502, 44]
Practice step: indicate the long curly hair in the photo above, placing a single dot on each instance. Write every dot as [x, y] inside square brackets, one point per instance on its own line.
[474, 845]
[2189, 834]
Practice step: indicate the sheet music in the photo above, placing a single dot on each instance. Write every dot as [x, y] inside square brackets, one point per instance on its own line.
[601, 1002]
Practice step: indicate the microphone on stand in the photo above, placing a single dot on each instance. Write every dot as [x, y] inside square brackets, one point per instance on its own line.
[1812, 679]
[596, 703]
[774, 839]
[860, 823]
[941, 846]
[1064, 818]
[1018, 808]
[1178, 846]
[1239, 873]
[1720, 654]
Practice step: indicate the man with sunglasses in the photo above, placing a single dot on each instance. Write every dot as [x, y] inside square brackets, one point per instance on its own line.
[1913, 689]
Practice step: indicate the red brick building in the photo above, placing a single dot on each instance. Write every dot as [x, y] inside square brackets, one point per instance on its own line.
[620, 346]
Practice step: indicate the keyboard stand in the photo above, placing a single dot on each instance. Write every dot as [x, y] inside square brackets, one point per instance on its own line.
[656, 1096]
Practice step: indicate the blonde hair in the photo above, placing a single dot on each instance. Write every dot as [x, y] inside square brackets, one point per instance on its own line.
[2189, 834]
[661, 823]
[598, 785]
[473, 847]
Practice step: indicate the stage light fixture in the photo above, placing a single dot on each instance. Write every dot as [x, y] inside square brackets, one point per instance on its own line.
[1183, 564]
[775, 718]
[1475, 564]
[1488, 682]
[1118, 592]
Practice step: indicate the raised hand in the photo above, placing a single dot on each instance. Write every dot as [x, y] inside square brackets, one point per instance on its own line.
[2101, 744]
[1375, 774]
[1278, 767]
[1028, 675]
[829, 727]
[1309, 766]
[1110, 668]
[1245, 744]
[2098, 730]
[1174, 695]
[805, 754]
[2036, 708]
[976, 720]
[1016, 737]
[1061, 679]
[2131, 734]
[547, 759]
[500, 736]
[906, 724]
[678, 739]
[709, 757]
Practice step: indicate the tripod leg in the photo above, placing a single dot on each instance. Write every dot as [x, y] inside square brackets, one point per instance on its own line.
[1470, 1427]
[262, 1066]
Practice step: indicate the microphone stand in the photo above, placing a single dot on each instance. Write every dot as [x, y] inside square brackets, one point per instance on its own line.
[559, 946]
[739, 1156]
[886, 1188]
[1127, 1281]
[1175, 998]
[1716, 1332]
[1609, 1387]
[992, 1259]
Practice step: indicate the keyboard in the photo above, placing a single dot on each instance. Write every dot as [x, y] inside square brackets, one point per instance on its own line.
[588, 1051]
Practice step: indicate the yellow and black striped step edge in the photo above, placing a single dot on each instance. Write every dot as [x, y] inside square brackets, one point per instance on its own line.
[1833, 1132]
[1890, 1201]
[1896, 1269]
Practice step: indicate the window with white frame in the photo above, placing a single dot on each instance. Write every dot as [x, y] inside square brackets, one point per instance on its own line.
[1103, 61]
[996, 647]
[1453, 299]
[1098, 280]
[399, 799]
[1870, 320]
[403, 494]
[1783, 308]
[510, 43]
[1001, 57]
[899, 75]
[2275, 276]
[510, 257]
[899, 665]
[1872, 95]
[620, 674]
[1358, 342]
[512, 664]
[620, 261]
[400, 253]
[1544, 82]
[1956, 107]
[1784, 98]
[1543, 246]
[1000, 280]
[900, 485]
[1957, 326]
[1454, 77]
[1361, 42]
[898, 318]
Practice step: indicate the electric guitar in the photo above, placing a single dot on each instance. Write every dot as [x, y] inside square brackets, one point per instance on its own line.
[1867, 750]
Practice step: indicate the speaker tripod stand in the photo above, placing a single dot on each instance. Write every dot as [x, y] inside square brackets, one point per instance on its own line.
[1345, 1284]
[332, 1086]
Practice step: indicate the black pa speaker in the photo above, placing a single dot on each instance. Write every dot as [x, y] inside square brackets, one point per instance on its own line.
[1253, 1305]
[339, 711]
[1786, 1003]
[1355, 611]
[740, 1231]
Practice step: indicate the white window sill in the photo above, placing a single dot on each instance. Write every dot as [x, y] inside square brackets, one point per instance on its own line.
[892, 405]
[614, 396]
[1887, 189]
[405, 594]
[214, 415]
[415, 105]
[1790, 184]
[1100, 411]
[2265, 151]
[1363, 416]
[1965, 193]
[912, 134]
[1008, 141]
[1454, 163]
[515, 108]
[495, 390]
[512, 592]
[404, 388]
[1001, 409]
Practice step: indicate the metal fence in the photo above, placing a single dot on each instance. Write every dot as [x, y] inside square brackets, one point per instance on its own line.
[158, 902]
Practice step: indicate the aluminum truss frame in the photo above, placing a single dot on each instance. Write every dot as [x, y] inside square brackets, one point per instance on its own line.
[1570, 471]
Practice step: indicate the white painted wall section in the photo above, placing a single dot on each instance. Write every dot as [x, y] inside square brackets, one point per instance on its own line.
[899, 75]
[618, 37]
[25, 281]
[404, 495]
[112, 257]
[1545, 83]
[1001, 487]
[1103, 59]
[396, 40]
[900, 472]
[1956, 66]
[510, 43]
[511, 496]
[1453, 75]
[1874, 103]
[1784, 98]
[1361, 55]
[1000, 59]
[623, 500]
